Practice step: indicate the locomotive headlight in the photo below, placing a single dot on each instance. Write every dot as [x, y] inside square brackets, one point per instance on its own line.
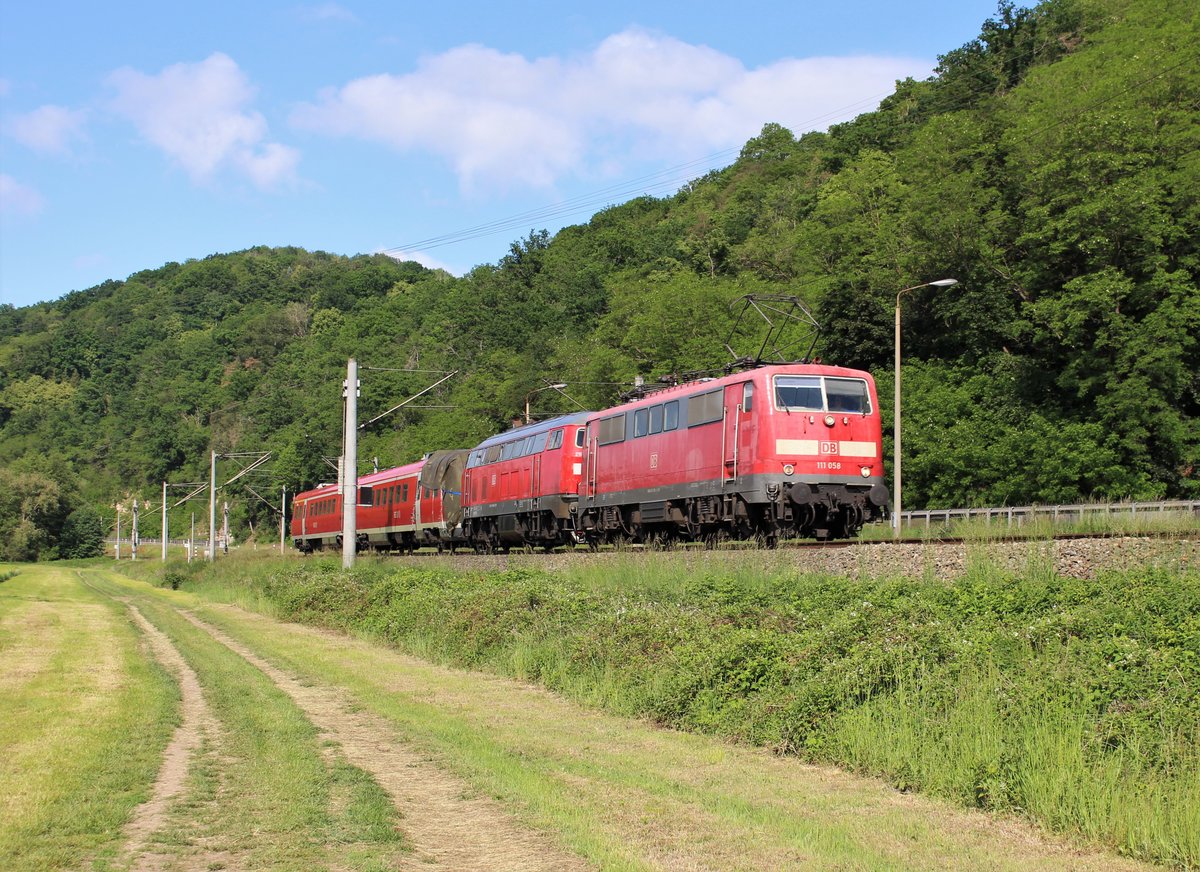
[829, 420]
[788, 469]
[866, 472]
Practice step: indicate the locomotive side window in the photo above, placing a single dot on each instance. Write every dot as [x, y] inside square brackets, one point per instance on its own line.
[555, 440]
[641, 422]
[656, 419]
[748, 397]
[493, 454]
[539, 442]
[579, 437]
[671, 415]
[705, 408]
[404, 494]
[798, 392]
[612, 430]
[848, 395]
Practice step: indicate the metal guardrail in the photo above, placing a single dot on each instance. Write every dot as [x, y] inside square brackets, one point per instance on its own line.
[1015, 516]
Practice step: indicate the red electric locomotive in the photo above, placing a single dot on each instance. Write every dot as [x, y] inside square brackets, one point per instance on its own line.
[402, 508]
[783, 450]
[520, 487]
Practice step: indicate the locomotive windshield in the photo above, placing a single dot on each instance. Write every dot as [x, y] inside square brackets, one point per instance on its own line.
[847, 395]
[810, 393]
[798, 393]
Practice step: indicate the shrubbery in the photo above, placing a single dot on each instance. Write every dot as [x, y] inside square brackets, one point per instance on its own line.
[1073, 701]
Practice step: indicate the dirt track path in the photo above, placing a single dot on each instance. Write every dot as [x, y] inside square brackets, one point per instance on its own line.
[450, 829]
[197, 728]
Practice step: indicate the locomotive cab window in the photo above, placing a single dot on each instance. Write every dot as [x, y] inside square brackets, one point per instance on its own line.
[748, 397]
[798, 393]
[579, 436]
[848, 395]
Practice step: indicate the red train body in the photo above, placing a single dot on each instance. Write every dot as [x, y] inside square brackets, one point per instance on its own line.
[777, 451]
[521, 487]
[789, 450]
[402, 508]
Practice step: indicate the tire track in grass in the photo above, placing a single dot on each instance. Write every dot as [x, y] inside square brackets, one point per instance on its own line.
[447, 827]
[198, 727]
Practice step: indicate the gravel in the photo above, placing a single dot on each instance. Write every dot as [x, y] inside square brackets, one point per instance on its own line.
[1076, 558]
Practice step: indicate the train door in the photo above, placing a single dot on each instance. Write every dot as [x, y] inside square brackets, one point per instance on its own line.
[747, 431]
[732, 439]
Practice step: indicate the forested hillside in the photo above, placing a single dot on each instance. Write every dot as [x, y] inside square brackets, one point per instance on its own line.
[1052, 166]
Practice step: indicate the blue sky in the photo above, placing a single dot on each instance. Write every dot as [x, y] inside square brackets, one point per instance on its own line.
[133, 134]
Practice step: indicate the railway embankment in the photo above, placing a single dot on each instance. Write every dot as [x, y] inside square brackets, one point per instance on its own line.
[1056, 680]
[1072, 558]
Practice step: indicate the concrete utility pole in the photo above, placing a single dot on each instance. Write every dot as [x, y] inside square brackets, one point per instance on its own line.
[350, 467]
[212, 509]
[282, 518]
[164, 524]
[133, 538]
[118, 531]
[192, 539]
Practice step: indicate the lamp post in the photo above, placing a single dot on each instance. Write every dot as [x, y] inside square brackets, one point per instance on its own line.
[896, 503]
[529, 396]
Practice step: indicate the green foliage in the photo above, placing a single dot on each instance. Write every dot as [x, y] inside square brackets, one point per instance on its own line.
[1073, 701]
[82, 534]
[1050, 165]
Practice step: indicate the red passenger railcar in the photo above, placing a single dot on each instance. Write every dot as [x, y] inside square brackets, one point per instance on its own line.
[401, 508]
[521, 487]
[787, 450]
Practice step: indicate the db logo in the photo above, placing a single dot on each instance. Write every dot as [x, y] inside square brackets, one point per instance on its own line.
[654, 461]
[829, 448]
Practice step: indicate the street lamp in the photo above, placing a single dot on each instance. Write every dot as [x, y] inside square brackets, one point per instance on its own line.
[529, 396]
[896, 509]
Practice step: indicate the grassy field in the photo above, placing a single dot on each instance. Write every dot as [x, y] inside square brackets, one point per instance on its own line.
[621, 794]
[1074, 703]
[84, 718]
[85, 715]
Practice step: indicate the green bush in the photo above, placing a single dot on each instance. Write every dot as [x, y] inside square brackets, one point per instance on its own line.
[1075, 702]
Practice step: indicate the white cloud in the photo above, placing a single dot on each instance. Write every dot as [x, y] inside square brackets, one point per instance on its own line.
[49, 129]
[420, 257]
[197, 114]
[19, 199]
[504, 119]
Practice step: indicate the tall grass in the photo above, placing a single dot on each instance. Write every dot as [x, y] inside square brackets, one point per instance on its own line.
[1072, 701]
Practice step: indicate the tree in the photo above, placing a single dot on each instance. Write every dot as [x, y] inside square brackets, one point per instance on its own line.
[82, 534]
